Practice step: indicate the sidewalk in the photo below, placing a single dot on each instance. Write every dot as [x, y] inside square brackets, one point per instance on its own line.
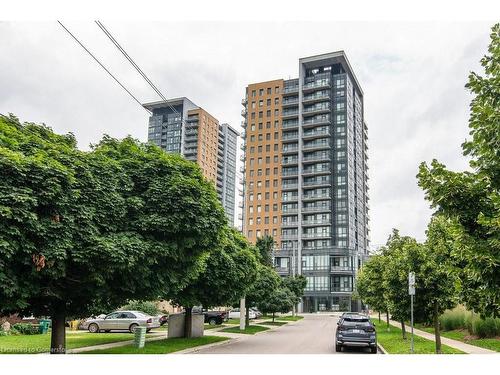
[466, 348]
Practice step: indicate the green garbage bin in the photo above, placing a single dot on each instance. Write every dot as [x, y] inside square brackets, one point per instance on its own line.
[139, 337]
[43, 326]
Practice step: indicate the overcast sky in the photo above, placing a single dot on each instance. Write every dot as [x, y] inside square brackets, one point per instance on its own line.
[412, 74]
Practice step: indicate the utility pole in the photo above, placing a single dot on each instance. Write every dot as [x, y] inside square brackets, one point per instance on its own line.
[242, 314]
[411, 292]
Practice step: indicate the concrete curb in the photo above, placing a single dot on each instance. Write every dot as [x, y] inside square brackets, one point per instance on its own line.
[381, 348]
[207, 346]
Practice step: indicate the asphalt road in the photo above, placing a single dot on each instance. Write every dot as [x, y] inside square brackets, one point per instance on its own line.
[315, 334]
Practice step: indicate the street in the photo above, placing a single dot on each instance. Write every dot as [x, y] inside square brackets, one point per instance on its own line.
[315, 334]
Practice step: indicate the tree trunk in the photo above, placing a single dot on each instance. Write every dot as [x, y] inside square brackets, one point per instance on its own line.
[188, 322]
[247, 317]
[387, 318]
[437, 332]
[379, 317]
[273, 316]
[58, 335]
[403, 329]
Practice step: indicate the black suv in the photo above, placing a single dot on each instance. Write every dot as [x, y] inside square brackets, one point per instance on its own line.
[357, 331]
[211, 317]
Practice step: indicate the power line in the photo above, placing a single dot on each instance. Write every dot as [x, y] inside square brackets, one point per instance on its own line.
[102, 66]
[139, 70]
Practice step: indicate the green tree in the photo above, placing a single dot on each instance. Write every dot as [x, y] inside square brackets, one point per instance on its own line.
[83, 232]
[402, 255]
[296, 284]
[473, 198]
[228, 271]
[438, 276]
[370, 286]
[281, 300]
[266, 283]
[265, 245]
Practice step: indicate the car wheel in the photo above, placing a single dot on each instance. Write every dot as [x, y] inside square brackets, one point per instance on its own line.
[93, 328]
[132, 327]
[212, 321]
[338, 348]
[374, 350]
[148, 330]
[107, 330]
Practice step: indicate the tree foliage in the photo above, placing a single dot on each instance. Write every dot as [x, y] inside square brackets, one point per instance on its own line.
[369, 283]
[280, 299]
[83, 232]
[473, 198]
[265, 245]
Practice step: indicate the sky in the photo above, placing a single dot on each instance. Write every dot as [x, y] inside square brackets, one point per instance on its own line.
[412, 74]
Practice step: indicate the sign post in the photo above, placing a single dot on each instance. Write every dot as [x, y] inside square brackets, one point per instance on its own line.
[411, 292]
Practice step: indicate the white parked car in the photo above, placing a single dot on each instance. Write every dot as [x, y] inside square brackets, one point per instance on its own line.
[121, 321]
[235, 314]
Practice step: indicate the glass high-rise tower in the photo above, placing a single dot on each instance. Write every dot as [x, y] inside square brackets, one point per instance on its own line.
[178, 125]
[306, 176]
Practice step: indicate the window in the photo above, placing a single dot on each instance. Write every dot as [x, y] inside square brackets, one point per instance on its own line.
[250, 233]
[276, 101]
[268, 148]
[258, 233]
[261, 92]
[268, 125]
[259, 209]
[253, 105]
[268, 113]
[269, 92]
[250, 209]
[261, 103]
[268, 102]
[277, 90]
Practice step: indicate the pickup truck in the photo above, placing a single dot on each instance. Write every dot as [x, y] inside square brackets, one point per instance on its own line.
[212, 317]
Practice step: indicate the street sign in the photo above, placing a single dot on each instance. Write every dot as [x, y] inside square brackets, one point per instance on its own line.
[411, 290]
[411, 278]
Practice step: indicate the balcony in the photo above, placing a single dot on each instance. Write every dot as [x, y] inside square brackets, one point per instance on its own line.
[341, 269]
[290, 113]
[341, 289]
[316, 109]
[293, 198]
[289, 149]
[282, 270]
[317, 183]
[291, 101]
[290, 211]
[290, 161]
[312, 223]
[317, 209]
[316, 133]
[290, 224]
[244, 101]
[287, 137]
[318, 120]
[290, 124]
[289, 236]
[291, 89]
[289, 172]
[316, 235]
[316, 171]
[244, 124]
[316, 145]
[316, 85]
[244, 112]
[316, 97]
[289, 186]
[313, 158]
[315, 196]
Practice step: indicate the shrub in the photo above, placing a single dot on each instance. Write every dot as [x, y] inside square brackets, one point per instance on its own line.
[454, 319]
[148, 307]
[26, 328]
[488, 327]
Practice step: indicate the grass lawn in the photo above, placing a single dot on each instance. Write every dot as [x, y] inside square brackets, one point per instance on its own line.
[271, 323]
[460, 335]
[41, 343]
[393, 342]
[161, 346]
[251, 330]
[290, 318]
[208, 326]
[233, 321]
